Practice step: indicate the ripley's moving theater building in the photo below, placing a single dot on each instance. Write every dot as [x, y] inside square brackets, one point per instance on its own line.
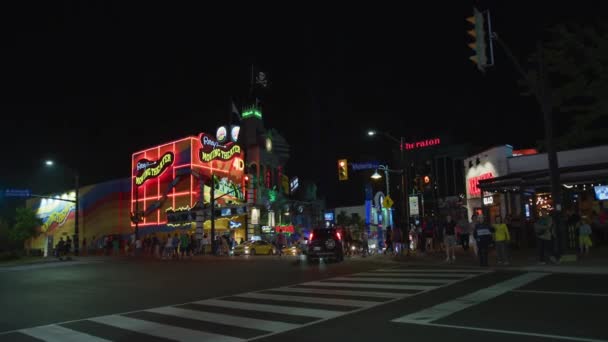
[169, 189]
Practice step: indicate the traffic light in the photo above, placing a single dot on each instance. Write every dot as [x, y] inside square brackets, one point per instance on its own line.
[426, 180]
[478, 45]
[342, 169]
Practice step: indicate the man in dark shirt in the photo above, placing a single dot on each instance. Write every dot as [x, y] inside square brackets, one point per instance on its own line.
[483, 237]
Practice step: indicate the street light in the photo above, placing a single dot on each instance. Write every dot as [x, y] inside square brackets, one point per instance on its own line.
[50, 163]
[404, 173]
[376, 175]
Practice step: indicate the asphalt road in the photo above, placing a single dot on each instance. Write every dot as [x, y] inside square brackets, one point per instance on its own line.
[278, 299]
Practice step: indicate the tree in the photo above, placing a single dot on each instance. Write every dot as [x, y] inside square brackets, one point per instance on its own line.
[342, 219]
[575, 59]
[26, 226]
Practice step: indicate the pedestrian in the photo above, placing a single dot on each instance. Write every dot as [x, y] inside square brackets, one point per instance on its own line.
[449, 233]
[543, 228]
[183, 245]
[204, 244]
[84, 246]
[397, 240]
[280, 243]
[463, 232]
[168, 253]
[471, 228]
[60, 248]
[483, 238]
[502, 238]
[364, 242]
[68, 246]
[584, 237]
[138, 247]
[389, 240]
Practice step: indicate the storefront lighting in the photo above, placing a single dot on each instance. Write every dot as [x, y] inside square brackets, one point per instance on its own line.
[376, 175]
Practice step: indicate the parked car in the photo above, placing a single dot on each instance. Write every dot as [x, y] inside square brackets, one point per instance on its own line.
[325, 243]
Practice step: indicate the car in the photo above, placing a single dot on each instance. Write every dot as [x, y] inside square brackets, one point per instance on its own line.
[325, 243]
[291, 250]
[259, 247]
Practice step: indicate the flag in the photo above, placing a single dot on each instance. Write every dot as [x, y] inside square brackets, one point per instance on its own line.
[261, 79]
[235, 111]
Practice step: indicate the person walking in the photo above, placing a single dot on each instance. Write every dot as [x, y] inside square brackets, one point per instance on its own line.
[483, 238]
[449, 233]
[502, 239]
[584, 237]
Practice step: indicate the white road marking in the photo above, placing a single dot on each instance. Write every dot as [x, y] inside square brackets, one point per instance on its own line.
[314, 300]
[239, 321]
[407, 274]
[563, 293]
[513, 332]
[448, 308]
[56, 333]
[370, 286]
[378, 294]
[395, 280]
[435, 270]
[288, 310]
[162, 330]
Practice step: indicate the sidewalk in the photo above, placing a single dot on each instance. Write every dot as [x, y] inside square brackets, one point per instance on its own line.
[521, 260]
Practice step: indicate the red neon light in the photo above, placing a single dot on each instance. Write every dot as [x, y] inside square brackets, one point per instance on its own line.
[421, 144]
[310, 237]
[474, 183]
[525, 152]
[339, 236]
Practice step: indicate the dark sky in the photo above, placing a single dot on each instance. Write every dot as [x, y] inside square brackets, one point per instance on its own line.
[88, 84]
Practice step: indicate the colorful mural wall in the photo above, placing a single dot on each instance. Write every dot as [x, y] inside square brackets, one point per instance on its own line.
[104, 209]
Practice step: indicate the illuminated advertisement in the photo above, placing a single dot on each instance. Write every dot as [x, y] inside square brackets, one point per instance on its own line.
[474, 183]
[213, 149]
[173, 174]
[150, 169]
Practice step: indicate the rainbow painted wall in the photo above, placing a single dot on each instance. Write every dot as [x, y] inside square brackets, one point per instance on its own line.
[104, 209]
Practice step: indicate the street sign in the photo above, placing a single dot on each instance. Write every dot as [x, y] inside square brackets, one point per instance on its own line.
[24, 193]
[388, 202]
[414, 206]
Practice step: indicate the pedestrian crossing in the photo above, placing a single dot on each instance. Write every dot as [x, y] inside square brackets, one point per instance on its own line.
[250, 315]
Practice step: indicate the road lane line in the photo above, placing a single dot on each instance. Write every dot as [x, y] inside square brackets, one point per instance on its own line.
[240, 321]
[407, 274]
[394, 280]
[448, 308]
[563, 293]
[162, 330]
[288, 310]
[435, 270]
[371, 286]
[378, 294]
[313, 300]
[56, 333]
[513, 332]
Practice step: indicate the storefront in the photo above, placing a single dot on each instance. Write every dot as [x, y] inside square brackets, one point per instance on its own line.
[488, 164]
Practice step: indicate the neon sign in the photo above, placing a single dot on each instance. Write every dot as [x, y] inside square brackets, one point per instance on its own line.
[212, 149]
[421, 144]
[147, 169]
[474, 183]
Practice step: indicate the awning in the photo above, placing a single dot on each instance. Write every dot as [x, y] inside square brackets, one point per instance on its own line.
[582, 174]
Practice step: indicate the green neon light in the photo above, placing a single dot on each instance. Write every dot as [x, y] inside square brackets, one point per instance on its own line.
[252, 112]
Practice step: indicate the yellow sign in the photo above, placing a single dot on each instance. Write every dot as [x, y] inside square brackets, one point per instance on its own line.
[217, 153]
[388, 202]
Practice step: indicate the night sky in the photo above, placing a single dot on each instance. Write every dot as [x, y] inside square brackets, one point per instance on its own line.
[87, 85]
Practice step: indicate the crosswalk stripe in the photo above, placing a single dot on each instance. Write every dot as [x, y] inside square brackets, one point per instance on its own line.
[435, 270]
[386, 295]
[316, 300]
[56, 333]
[162, 330]
[393, 280]
[448, 308]
[288, 310]
[371, 286]
[407, 274]
[253, 323]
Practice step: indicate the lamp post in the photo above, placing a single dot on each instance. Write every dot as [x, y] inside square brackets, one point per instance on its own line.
[50, 163]
[405, 216]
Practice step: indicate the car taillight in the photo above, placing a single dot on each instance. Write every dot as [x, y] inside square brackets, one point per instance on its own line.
[310, 237]
[339, 237]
